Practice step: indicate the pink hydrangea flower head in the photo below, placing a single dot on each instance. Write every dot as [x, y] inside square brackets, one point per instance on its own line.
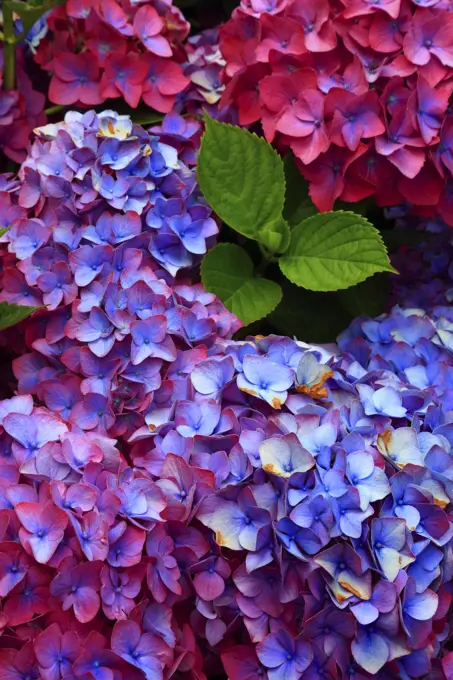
[113, 38]
[385, 68]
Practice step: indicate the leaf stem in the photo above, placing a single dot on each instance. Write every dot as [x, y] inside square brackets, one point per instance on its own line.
[261, 269]
[267, 258]
[55, 109]
[9, 49]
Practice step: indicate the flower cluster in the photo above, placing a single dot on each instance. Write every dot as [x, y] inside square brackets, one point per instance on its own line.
[21, 111]
[285, 505]
[102, 221]
[81, 540]
[358, 90]
[105, 49]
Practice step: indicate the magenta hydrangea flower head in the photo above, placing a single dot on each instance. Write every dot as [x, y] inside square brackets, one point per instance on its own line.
[359, 91]
[124, 49]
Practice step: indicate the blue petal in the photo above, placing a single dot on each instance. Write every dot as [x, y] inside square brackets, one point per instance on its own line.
[370, 651]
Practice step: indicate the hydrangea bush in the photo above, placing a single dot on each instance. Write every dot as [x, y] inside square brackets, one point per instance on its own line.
[360, 91]
[174, 502]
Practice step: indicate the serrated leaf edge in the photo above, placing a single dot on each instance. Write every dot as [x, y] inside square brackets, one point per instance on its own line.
[361, 217]
[208, 121]
[390, 269]
[13, 304]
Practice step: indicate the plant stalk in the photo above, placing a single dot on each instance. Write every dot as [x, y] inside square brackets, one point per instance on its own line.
[55, 109]
[9, 49]
[267, 258]
[261, 268]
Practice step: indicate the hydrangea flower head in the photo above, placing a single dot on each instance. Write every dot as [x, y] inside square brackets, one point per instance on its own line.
[123, 49]
[358, 91]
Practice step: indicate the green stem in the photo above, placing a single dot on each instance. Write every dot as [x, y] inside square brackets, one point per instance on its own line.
[9, 49]
[261, 268]
[267, 258]
[55, 109]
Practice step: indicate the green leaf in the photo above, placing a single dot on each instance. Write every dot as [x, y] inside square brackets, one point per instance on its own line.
[334, 250]
[241, 177]
[227, 271]
[12, 314]
[298, 204]
[4, 230]
[30, 12]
